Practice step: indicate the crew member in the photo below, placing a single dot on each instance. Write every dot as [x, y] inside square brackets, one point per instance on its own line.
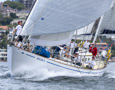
[86, 44]
[77, 59]
[17, 31]
[91, 64]
[109, 53]
[94, 51]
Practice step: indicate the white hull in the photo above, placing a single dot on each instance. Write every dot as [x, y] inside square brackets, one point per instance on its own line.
[20, 60]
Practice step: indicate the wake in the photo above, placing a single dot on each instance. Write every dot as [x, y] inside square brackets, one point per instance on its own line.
[26, 73]
[110, 70]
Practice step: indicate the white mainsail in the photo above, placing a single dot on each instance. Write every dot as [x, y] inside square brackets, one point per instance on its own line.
[52, 39]
[51, 17]
[108, 20]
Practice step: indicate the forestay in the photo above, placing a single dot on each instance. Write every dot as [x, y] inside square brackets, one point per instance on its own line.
[50, 17]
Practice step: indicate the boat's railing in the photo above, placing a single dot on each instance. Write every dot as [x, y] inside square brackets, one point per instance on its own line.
[84, 61]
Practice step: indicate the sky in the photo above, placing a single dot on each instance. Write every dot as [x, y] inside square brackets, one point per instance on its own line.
[2, 0]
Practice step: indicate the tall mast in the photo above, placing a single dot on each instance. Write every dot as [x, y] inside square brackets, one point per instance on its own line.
[97, 31]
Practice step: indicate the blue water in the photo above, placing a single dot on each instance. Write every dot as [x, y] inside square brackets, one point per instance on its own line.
[19, 82]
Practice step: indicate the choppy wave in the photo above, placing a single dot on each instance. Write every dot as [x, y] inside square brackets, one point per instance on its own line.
[30, 80]
[44, 74]
[110, 72]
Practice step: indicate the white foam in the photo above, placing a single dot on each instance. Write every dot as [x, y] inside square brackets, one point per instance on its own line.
[36, 74]
[110, 70]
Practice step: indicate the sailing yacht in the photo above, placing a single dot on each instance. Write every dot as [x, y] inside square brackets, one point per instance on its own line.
[52, 23]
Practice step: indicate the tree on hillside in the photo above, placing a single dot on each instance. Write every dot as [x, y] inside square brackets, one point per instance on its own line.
[5, 20]
[13, 15]
[15, 5]
[4, 41]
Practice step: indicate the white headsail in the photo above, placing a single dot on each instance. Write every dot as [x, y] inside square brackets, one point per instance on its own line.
[106, 25]
[52, 18]
[84, 33]
[108, 20]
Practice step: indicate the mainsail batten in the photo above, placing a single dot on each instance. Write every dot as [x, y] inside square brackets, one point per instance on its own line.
[59, 16]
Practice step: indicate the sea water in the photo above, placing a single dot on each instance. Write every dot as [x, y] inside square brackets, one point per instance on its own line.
[30, 81]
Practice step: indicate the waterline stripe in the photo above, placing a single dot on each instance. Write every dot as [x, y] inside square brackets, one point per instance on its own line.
[30, 55]
[73, 69]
